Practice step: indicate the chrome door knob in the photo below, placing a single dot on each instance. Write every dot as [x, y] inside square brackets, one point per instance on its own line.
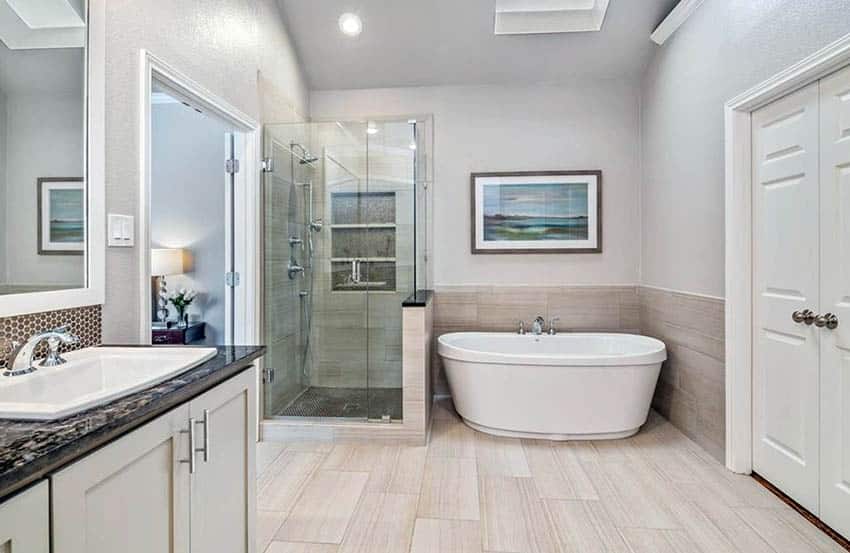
[827, 320]
[805, 316]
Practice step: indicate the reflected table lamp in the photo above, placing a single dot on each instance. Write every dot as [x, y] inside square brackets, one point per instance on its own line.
[165, 261]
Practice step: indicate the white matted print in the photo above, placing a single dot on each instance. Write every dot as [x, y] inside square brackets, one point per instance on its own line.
[61, 216]
[537, 212]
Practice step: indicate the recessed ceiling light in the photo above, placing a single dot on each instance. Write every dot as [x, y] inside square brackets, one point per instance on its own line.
[350, 24]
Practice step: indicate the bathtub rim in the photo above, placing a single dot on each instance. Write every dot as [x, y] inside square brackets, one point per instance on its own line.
[456, 353]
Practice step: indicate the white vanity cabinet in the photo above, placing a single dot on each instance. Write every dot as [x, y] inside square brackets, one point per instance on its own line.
[25, 521]
[140, 494]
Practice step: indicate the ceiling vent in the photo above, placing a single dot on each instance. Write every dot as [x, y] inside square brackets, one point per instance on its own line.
[526, 17]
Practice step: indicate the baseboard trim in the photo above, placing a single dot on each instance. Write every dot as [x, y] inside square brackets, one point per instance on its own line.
[805, 513]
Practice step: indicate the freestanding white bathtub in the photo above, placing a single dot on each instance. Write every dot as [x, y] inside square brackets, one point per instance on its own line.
[571, 386]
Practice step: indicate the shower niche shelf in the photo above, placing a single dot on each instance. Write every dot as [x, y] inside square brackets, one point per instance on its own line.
[363, 241]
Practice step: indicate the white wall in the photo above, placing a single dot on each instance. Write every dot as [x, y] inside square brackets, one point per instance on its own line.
[3, 203]
[516, 128]
[44, 138]
[726, 47]
[237, 49]
[188, 204]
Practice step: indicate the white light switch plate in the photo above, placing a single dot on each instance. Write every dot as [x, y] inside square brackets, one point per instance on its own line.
[121, 231]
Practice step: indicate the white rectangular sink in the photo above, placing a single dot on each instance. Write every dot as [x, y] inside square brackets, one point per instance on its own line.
[92, 377]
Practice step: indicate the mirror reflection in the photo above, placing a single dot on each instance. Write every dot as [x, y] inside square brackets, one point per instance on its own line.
[42, 145]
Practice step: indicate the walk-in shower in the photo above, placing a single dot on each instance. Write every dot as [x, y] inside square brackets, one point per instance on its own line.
[345, 242]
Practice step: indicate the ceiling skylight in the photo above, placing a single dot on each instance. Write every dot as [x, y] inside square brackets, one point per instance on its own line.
[522, 17]
[50, 14]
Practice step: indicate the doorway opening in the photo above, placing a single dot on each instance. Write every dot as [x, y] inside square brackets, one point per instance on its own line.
[196, 221]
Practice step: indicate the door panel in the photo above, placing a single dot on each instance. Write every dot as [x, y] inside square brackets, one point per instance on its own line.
[223, 489]
[785, 214]
[835, 298]
[129, 496]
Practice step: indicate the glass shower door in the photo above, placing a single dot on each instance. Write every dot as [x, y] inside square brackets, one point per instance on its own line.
[390, 229]
[283, 303]
[343, 299]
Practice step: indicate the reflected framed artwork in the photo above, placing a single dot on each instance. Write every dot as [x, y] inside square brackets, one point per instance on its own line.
[61, 216]
[537, 212]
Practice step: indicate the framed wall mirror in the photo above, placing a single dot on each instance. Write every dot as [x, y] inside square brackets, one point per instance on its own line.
[51, 155]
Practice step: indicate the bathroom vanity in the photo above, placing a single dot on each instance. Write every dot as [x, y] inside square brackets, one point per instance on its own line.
[167, 468]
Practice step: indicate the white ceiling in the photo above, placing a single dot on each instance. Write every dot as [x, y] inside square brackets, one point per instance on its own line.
[439, 42]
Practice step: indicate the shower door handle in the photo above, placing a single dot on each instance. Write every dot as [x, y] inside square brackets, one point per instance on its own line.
[355, 271]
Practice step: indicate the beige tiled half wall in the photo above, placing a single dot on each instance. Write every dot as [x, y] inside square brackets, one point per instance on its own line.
[690, 391]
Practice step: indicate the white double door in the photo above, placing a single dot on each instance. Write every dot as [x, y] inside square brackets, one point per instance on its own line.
[801, 253]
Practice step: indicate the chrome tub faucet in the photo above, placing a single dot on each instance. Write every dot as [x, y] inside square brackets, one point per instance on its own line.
[537, 326]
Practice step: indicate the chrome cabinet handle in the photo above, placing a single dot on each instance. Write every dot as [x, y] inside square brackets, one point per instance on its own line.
[206, 423]
[828, 320]
[191, 432]
[805, 316]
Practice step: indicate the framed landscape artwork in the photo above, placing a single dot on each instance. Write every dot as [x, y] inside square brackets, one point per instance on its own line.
[61, 216]
[537, 212]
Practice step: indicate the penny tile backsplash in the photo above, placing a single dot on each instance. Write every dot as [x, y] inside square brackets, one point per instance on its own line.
[83, 322]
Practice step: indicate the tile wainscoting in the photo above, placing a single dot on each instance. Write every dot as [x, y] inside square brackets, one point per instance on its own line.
[690, 391]
[84, 322]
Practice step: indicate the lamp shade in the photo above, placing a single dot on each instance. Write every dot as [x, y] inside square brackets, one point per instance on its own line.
[166, 261]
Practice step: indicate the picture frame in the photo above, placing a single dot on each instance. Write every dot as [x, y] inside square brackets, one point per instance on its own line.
[536, 212]
[61, 217]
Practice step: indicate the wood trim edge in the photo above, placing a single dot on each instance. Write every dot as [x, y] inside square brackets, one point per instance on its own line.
[805, 513]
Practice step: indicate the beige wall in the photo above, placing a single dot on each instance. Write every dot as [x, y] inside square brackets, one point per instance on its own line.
[238, 49]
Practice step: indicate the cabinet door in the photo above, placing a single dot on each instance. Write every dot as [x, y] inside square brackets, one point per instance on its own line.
[25, 522]
[835, 298]
[130, 496]
[223, 485]
[785, 279]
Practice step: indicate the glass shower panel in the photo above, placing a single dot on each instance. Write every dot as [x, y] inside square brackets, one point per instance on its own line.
[391, 154]
[423, 185]
[340, 298]
[312, 339]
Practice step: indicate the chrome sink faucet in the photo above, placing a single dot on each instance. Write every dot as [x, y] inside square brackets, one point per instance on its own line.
[537, 326]
[20, 359]
[552, 321]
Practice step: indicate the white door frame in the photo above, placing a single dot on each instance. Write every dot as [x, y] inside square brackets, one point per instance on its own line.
[247, 197]
[739, 240]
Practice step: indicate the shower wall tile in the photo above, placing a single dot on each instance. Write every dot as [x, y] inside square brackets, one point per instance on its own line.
[500, 308]
[691, 389]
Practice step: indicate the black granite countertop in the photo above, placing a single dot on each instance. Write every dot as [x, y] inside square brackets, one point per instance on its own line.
[419, 298]
[30, 450]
